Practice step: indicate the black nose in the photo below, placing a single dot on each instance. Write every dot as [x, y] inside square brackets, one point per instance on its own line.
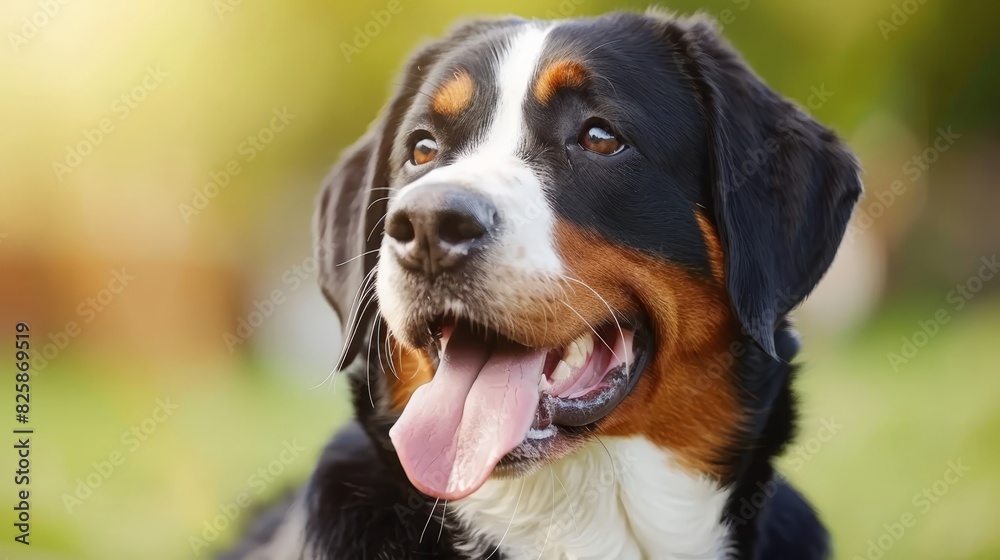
[437, 227]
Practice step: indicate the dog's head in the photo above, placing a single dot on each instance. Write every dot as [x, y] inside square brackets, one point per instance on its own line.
[565, 224]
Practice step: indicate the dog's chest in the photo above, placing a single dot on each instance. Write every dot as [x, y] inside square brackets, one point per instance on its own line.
[628, 501]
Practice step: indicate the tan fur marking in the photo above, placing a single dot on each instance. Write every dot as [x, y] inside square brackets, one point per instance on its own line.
[559, 74]
[413, 368]
[716, 257]
[454, 96]
[687, 399]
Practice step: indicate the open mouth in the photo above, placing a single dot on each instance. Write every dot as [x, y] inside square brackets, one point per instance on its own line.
[493, 401]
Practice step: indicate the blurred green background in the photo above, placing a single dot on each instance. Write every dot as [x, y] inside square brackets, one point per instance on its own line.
[157, 401]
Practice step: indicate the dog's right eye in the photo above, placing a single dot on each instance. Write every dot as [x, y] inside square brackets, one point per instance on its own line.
[424, 151]
[596, 137]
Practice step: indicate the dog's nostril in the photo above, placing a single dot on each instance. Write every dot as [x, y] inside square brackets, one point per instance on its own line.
[455, 228]
[400, 227]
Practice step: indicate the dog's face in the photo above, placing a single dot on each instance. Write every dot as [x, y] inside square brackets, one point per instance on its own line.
[568, 225]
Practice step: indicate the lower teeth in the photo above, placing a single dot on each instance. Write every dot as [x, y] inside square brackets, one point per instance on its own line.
[543, 433]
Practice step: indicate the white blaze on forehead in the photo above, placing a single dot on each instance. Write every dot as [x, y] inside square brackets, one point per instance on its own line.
[516, 70]
[524, 250]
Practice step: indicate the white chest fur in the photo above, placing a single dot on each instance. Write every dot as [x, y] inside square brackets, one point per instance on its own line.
[629, 501]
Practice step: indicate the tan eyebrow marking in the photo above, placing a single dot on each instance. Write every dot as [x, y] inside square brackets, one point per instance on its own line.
[454, 96]
[559, 74]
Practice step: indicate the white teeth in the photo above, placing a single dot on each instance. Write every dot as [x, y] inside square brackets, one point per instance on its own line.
[548, 431]
[561, 372]
[576, 352]
[573, 355]
[544, 384]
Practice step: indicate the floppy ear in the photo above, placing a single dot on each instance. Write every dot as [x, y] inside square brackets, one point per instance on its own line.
[352, 202]
[783, 186]
[341, 225]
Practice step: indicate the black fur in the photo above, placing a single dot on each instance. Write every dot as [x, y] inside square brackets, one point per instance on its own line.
[705, 135]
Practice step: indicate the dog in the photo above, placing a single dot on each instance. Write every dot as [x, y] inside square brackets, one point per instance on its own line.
[564, 258]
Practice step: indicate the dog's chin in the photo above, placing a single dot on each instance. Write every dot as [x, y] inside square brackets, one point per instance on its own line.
[582, 381]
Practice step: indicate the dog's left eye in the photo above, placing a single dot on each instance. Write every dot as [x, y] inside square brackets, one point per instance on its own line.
[424, 151]
[596, 137]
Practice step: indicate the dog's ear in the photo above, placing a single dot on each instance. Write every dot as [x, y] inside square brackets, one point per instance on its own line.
[343, 217]
[783, 186]
[350, 210]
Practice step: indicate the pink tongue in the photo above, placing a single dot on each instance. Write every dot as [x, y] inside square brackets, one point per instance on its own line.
[477, 408]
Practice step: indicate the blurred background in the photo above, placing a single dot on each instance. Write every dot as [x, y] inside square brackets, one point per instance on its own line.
[158, 163]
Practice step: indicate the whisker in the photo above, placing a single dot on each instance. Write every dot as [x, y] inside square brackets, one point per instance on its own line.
[358, 257]
[569, 501]
[376, 201]
[552, 514]
[368, 362]
[425, 94]
[614, 315]
[343, 356]
[353, 319]
[592, 329]
[356, 300]
[388, 348]
[353, 326]
[355, 314]
[614, 469]
[434, 507]
[512, 515]
[443, 514]
[375, 227]
[378, 347]
[603, 45]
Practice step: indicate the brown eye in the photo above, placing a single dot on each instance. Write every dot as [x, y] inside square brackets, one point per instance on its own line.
[424, 151]
[597, 139]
